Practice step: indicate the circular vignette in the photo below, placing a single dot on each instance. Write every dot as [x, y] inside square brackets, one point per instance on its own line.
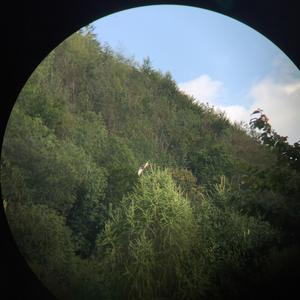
[33, 29]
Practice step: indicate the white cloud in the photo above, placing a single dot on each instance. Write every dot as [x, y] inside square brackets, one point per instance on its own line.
[293, 87]
[277, 94]
[207, 90]
[236, 113]
[203, 89]
[280, 101]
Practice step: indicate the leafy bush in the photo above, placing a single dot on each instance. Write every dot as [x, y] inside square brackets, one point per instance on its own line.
[148, 240]
[46, 244]
[230, 242]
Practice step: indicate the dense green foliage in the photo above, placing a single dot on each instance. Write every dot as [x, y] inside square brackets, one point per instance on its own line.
[217, 210]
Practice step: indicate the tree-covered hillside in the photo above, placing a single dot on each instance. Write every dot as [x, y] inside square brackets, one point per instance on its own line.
[214, 216]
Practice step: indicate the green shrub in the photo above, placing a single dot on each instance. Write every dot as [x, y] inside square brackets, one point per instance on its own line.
[147, 244]
[45, 242]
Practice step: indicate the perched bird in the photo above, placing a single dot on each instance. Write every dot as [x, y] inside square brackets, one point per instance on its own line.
[142, 168]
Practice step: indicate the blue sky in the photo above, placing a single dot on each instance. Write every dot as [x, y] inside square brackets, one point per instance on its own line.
[213, 57]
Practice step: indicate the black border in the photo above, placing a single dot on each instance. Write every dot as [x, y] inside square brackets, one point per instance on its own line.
[32, 28]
